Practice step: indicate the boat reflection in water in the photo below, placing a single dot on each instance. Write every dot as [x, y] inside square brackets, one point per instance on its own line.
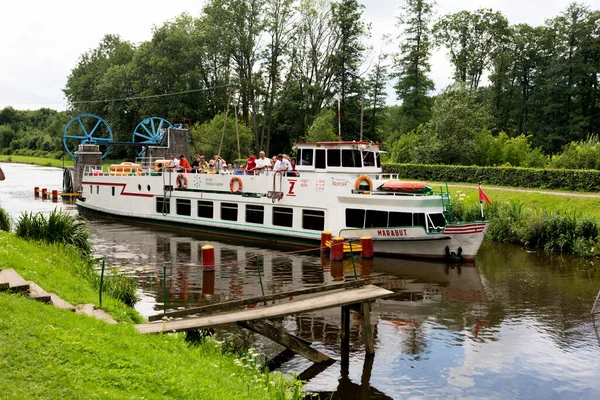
[421, 289]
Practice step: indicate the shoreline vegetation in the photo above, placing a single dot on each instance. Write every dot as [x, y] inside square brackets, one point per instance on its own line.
[48, 352]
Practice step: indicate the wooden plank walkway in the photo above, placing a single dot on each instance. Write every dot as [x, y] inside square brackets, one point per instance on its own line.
[329, 300]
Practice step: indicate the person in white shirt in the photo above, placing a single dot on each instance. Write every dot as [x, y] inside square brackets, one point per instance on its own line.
[282, 165]
[174, 164]
[263, 164]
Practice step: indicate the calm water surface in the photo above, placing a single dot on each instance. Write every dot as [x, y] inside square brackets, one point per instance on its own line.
[515, 325]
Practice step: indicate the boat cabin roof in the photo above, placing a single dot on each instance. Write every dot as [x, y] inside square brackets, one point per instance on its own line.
[343, 157]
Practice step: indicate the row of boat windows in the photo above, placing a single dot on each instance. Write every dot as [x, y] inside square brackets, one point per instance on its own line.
[254, 214]
[321, 158]
[357, 218]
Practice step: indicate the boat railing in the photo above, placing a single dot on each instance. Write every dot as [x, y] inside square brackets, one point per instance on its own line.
[92, 170]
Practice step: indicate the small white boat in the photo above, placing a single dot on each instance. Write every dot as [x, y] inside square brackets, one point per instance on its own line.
[337, 187]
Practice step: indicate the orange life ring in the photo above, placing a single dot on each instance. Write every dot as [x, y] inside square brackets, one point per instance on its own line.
[232, 184]
[181, 181]
[362, 179]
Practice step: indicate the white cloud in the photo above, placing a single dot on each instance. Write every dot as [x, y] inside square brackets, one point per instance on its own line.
[42, 40]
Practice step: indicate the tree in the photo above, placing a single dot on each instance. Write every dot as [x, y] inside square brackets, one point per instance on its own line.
[323, 128]
[412, 63]
[376, 94]
[346, 17]
[207, 138]
[473, 39]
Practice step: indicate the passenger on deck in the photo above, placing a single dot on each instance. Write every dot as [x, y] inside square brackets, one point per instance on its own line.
[184, 165]
[220, 164]
[174, 164]
[282, 165]
[241, 171]
[229, 170]
[196, 165]
[263, 164]
[293, 171]
[251, 162]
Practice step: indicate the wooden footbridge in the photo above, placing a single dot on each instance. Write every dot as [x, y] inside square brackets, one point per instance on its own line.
[355, 295]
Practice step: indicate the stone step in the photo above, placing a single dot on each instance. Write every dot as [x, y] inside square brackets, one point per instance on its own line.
[88, 309]
[3, 282]
[37, 293]
[60, 303]
[15, 282]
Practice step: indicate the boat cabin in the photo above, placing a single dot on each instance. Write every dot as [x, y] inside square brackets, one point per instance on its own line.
[346, 157]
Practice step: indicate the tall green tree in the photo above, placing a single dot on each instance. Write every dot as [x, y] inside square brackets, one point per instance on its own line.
[376, 96]
[472, 40]
[412, 63]
[351, 30]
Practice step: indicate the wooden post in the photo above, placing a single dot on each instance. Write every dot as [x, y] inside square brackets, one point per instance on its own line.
[54, 195]
[345, 339]
[36, 192]
[44, 193]
[366, 242]
[337, 249]
[365, 313]
[208, 258]
[291, 342]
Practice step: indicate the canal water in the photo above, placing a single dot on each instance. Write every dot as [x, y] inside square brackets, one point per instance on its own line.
[516, 324]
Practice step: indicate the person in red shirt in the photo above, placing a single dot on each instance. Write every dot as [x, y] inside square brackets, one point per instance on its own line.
[251, 163]
[184, 165]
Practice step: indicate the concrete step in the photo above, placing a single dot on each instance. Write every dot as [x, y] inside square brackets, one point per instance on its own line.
[3, 282]
[15, 282]
[37, 293]
[88, 309]
[60, 303]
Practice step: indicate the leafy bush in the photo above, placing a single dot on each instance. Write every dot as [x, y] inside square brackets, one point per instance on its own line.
[58, 227]
[566, 179]
[579, 155]
[5, 220]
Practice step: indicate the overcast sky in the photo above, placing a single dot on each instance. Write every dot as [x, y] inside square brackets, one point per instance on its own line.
[42, 40]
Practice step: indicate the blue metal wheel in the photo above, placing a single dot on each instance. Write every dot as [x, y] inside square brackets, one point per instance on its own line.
[150, 132]
[89, 129]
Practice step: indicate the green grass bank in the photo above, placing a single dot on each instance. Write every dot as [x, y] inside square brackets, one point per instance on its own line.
[46, 352]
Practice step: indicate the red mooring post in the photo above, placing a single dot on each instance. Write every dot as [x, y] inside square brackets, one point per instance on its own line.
[36, 192]
[325, 236]
[55, 195]
[366, 242]
[44, 193]
[208, 258]
[337, 249]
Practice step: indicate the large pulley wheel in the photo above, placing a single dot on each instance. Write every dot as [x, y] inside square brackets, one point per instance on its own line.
[87, 129]
[150, 132]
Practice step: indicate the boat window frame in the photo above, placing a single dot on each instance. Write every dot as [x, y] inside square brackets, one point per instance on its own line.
[320, 159]
[334, 158]
[306, 157]
[163, 209]
[182, 205]
[355, 156]
[364, 214]
[277, 213]
[204, 204]
[306, 215]
[252, 209]
[229, 206]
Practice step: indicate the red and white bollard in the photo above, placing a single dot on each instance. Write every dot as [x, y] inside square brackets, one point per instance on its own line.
[208, 258]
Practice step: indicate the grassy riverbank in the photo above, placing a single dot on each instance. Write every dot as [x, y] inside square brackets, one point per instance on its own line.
[45, 162]
[46, 352]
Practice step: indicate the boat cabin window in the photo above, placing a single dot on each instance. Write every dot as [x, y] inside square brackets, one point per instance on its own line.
[283, 216]
[163, 205]
[351, 159]
[305, 157]
[229, 211]
[183, 207]
[355, 218]
[371, 159]
[334, 158]
[400, 219]
[376, 219]
[437, 220]
[320, 159]
[205, 209]
[419, 219]
[113, 190]
[255, 214]
[313, 220]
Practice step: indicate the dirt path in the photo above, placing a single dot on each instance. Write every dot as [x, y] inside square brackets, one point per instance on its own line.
[565, 194]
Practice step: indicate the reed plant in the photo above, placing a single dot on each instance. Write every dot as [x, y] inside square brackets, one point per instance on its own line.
[58, 227]
[5, 220]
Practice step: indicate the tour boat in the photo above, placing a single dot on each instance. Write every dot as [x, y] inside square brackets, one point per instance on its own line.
[337, 187]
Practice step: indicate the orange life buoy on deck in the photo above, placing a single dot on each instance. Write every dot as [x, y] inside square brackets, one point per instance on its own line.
[181, 181]
[232, 184]
[359, 182]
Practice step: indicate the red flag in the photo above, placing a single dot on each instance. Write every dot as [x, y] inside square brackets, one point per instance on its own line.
[483, 197]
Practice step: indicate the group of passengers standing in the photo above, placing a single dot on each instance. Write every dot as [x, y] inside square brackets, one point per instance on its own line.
[255, 166]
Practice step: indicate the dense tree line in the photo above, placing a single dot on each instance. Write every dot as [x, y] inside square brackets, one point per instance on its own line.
[521, 93]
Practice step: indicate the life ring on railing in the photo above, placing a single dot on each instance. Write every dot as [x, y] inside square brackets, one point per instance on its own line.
[181, 181]
[359, 184]
[232, 184]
